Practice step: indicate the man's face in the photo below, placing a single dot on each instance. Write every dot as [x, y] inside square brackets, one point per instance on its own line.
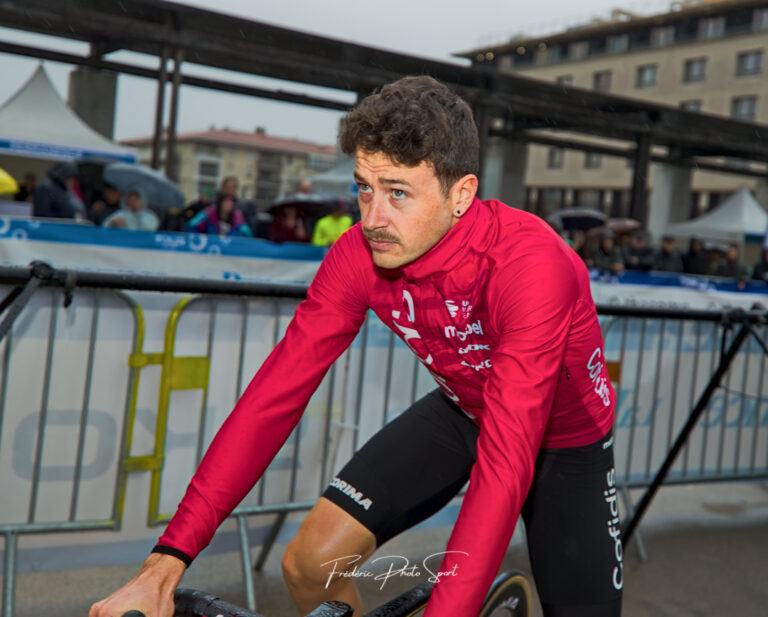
[403, 210]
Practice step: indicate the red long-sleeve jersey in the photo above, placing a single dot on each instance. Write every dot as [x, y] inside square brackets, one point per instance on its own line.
[501, 314]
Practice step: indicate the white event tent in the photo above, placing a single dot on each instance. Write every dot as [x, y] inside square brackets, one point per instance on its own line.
[37, 127]
[738, 219]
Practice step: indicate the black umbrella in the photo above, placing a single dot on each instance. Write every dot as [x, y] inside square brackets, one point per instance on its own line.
[159, 191]
[309, 205]
[570, 219]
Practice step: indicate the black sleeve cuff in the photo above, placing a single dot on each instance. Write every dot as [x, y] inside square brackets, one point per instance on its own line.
[173, 552]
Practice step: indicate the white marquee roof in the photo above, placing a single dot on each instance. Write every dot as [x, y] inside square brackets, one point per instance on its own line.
[36, 122]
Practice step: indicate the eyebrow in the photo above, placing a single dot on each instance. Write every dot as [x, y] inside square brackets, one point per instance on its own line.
[385, 181]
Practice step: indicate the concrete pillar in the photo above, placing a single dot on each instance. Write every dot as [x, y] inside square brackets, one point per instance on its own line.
[504, 172]
[92, 93]
[670, 197]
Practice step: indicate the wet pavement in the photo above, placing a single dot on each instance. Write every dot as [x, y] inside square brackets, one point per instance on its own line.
[707, 554]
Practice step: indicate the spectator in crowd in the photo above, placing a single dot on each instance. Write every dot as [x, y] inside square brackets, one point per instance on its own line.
[329, 228]
[229, 186]
[667, 257]
[303, 187]
[288, 226]
[760, 271]
[696, 260]
[57, 195]
[732, 266]
[104, 204]
[637, 254]
[222, 218]
[133, 213]
[27, 188]
[607, 255]
[716, 255]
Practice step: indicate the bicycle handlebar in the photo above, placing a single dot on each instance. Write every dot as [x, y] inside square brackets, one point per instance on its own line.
[193, 603]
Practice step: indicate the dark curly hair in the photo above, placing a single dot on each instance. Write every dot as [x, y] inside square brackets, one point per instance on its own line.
[416, 119]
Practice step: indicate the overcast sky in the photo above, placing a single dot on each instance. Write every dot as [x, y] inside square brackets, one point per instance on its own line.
[428, 28]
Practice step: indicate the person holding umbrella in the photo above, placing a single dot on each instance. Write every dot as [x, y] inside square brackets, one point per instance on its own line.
[223, 218]
[133, 213]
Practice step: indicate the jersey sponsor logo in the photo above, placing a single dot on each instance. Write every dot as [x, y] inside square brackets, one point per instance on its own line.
[351, 492]
[596, 374]
[468, 348]
[614, 530]
[472, 328]
[478, 367]
[453, 308]
[410, 334]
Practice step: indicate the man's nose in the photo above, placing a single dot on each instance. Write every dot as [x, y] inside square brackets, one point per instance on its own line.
[375, 216]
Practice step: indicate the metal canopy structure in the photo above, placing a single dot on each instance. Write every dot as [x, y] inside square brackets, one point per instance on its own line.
[506, 105]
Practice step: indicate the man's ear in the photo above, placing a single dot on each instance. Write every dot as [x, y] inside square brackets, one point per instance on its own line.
[463, 193]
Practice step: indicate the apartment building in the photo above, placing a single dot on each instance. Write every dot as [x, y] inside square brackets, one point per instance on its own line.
[265, 166]
[704, 56]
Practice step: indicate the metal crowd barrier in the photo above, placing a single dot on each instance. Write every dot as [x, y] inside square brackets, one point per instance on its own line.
[664, 365]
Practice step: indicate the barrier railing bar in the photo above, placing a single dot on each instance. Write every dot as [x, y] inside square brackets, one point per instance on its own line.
[129, 417]
[204, 399]
[37, 528]
[692, 392]
[43, 417]
[359, 394]
[622, 356]
[655, 399]
[82, 278]
[415, 381]
[388, 377]
[327, 427]
[707, 422]
[9, 572]
[245, 563]
[759, 400]
[16, 300]
[635, 399]
[713, 384]
[137, 282]
[675, 377]
[4, 376]
[742, 408]
[85, 411]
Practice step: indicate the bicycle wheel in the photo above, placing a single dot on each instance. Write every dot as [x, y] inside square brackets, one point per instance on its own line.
[510, 596]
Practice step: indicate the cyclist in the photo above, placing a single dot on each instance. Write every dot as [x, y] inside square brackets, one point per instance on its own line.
[498, 308]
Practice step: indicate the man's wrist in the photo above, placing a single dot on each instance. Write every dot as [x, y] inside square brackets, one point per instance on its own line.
[163, 549]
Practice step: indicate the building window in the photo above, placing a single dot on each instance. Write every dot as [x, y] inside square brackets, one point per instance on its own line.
[711, 27]
[695, 69]
[555, 158]
[551, 199]
[601, 81]
[692, 105]
[749, 62]
[663, 35]
[592, 160]
[208, 172]
[618, 43]
[564, 80]
[760, 19]
[744, 108]
[579, 49]
[646, 75]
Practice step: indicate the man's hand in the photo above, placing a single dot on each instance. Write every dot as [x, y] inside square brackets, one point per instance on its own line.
[150, 591]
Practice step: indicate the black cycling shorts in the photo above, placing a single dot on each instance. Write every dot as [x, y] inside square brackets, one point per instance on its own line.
[418, 462]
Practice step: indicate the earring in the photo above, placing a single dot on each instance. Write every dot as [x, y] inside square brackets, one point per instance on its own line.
[458, 212]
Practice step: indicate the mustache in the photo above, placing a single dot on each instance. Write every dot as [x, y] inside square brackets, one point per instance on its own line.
[380, 236]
